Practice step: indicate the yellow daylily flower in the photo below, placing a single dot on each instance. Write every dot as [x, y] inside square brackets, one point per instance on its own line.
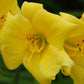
[5, 7]
[74, 46]
[36, 39]
[82, 18]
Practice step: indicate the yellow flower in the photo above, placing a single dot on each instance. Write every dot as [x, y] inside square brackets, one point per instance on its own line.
[35, 39]
[74, 46]
[5, 6]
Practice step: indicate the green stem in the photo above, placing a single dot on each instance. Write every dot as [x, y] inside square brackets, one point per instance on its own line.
[17, 77]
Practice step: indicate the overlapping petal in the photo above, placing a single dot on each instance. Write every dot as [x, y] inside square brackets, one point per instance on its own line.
[43, 66]
[77, 73]
[46, 65]
[5, 7]
[13, 40]
[52, 27]
[70, 18]
[82, 17]
[79, 29]
[29, 9]
[8, 5]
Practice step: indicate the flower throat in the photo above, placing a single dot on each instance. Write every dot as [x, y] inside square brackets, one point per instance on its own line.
[36, 43]
[75, 49]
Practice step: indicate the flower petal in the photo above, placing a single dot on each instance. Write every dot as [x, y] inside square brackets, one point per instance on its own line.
[70, 18]
[13, 40]
[80, 24]
[29, 9]
[53, 27]
[67, 62]
[46, 65]
[43, 66]
[9, 5]
[82, 18]
[5, 6]
[77, 74]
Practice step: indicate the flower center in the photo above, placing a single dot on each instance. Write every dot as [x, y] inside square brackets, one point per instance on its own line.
[36, 43]
[76, 51]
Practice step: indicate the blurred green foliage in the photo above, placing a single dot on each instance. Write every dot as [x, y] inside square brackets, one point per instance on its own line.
[21, 75]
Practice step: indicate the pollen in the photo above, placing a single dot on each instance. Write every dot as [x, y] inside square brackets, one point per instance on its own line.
[79, 49]
[75, 52]
[2, 17]
[82, 40]
[36, 43]
[80, 46]
[11, 12]
[77, 44]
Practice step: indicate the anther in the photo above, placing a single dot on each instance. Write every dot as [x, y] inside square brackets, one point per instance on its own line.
[33, 41]
[28, 38]
[2, 17]
[37, 43]
[79, 49]
[36, 38]
[82, 40]
[33, 37]
[78, 45]
[9, 10]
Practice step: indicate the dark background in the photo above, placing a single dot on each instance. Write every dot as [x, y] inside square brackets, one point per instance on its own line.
[74, 7]
[21, 75]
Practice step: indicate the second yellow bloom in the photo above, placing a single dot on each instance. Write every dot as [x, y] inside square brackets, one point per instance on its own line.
[36, 40]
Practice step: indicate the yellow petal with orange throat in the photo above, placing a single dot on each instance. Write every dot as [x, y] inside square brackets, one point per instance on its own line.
[53, 27]
[13, 40]
[30, 8]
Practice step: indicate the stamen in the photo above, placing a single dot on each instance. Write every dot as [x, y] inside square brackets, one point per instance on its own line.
[75, 51]
[36, 38]
[78, 44]
[2, 17]
[33, 41]
[10, 12]
[28, 38]
[82, 40]
[36, 43]
[33, 37]
[79, 49]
